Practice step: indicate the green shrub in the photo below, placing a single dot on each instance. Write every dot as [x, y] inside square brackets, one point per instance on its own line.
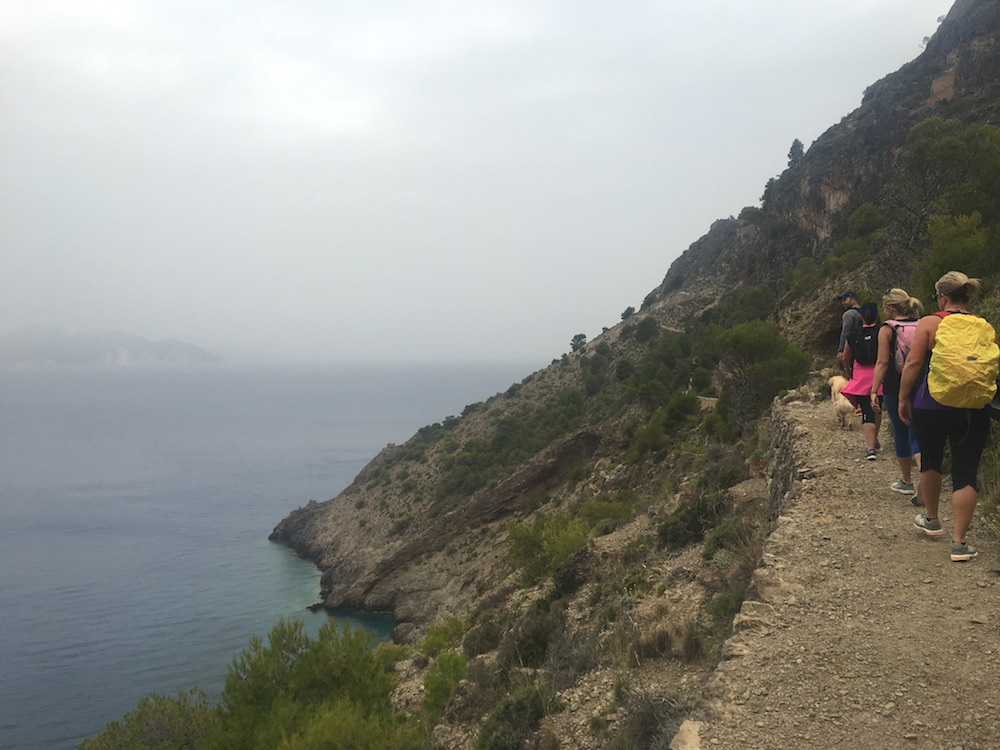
[657, 434]
[865, 232]
[689, 522]
[758, 363]
[485, 636]
[650, 720]
[957, 242]
[579, 473]
[647, 329]
[802, 280]
[539, 547]
[344, 725]
[624, 370]
[440, 682]
[604, 516]
[512, 721]
[400, 526]
[743, 304]
[441, 636]
[527, 643]
[726, 604]
[274, 689]
[158, 722]
[729, 535]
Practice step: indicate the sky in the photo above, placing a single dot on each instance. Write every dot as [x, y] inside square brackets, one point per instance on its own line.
[356, 180]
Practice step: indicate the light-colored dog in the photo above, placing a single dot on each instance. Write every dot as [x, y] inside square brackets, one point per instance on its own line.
[842, 408]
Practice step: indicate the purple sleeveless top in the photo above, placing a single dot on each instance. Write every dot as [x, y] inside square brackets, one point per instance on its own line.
[924, 400]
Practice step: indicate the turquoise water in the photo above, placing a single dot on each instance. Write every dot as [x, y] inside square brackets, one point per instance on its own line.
[134, 512]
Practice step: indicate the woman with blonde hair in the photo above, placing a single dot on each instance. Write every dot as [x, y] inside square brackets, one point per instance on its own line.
[966, 430]
[894, 337]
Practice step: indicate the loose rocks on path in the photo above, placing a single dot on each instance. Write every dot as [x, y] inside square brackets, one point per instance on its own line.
[863, 633]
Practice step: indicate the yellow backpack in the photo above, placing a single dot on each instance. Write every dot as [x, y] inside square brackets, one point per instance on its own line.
[964, 362]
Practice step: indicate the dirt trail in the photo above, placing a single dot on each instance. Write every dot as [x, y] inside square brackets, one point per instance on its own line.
[864, 633]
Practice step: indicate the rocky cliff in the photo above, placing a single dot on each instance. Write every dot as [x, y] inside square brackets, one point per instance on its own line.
[807, 208]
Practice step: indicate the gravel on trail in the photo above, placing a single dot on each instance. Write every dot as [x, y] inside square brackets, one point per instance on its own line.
[859, 631]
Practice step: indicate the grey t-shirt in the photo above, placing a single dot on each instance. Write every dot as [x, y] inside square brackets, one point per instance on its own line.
[850, 322]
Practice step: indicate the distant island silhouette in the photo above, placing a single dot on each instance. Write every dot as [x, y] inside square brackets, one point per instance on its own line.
[50, 347]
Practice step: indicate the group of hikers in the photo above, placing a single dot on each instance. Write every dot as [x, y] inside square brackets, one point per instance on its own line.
[934, 375]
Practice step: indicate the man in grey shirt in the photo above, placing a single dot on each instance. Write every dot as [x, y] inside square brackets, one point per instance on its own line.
[850, 321]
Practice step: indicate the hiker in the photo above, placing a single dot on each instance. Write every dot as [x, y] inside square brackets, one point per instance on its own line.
[860, 356]
[937, 410]
[850, 321]
[894, 340]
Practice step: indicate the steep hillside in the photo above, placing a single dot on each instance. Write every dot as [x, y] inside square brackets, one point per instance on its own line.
[600, 521]
[807, 208]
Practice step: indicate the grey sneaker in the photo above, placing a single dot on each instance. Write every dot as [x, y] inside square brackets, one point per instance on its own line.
[930, 526]
[962, 552]
[915, 498]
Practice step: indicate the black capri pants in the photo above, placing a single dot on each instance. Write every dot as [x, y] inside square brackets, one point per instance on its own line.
[966, 430]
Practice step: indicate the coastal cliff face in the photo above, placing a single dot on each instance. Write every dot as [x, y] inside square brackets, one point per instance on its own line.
[427, 530]
[386, 544]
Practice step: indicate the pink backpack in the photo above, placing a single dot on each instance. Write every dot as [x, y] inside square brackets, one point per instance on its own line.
[902, 338]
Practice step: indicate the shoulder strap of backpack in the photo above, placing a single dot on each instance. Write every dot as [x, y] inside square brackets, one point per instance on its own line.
[894, 327]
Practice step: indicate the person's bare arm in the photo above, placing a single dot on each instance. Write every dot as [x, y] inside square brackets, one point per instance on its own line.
[882, 364]
[923, 341]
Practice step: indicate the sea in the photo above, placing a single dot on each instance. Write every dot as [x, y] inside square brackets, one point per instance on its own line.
[135, 506]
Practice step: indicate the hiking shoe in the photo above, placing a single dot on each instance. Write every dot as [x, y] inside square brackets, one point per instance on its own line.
[915, 498]
[930, 526]
[962, 552]
[878, 445]
[870, 454]
[903, 488]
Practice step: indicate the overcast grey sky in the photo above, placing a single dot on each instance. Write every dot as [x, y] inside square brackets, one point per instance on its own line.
[399, 180]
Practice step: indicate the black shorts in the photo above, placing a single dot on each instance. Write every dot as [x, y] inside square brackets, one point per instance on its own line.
[966, 430]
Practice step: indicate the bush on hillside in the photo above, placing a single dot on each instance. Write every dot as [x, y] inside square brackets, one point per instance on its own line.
[280, 692]
[757, 364]
[513, 720]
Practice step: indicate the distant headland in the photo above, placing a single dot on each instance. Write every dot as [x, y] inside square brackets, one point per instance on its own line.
[50, 347]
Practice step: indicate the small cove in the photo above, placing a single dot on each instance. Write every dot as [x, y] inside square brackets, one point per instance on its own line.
[134, 512]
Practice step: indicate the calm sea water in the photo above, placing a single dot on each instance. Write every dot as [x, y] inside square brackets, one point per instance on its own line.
[135, 506]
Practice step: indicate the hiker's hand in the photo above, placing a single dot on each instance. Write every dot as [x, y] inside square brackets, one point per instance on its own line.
[875, 404]
[904, 410]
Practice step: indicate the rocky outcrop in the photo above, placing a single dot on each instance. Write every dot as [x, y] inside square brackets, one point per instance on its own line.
[806, 208]
[382, 550]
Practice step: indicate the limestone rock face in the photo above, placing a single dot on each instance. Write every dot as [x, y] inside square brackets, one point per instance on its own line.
[807, 207]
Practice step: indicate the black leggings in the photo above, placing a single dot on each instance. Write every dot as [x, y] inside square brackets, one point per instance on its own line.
[966, 430]
[867, 412]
